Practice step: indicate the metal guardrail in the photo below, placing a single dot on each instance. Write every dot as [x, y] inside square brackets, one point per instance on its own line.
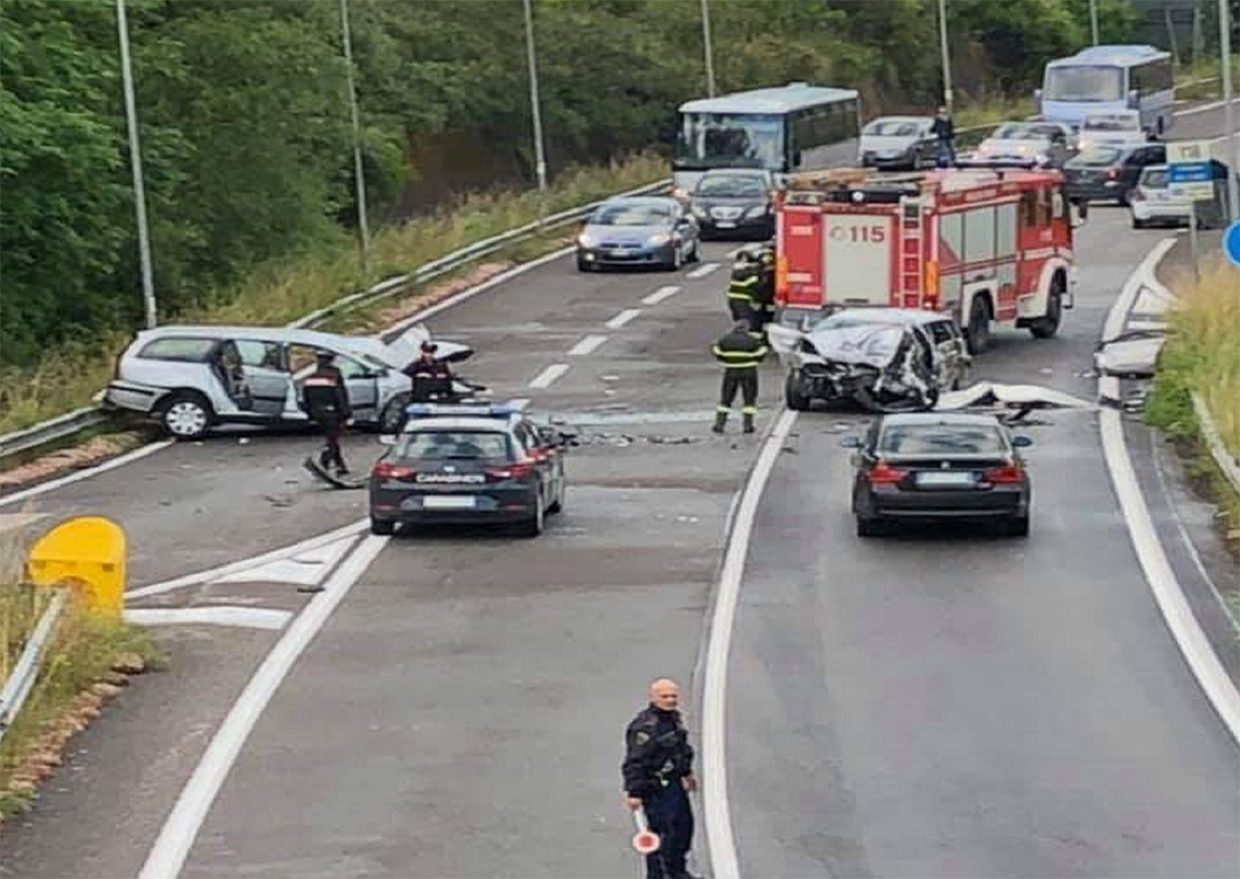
[69, 424]
[21, 679]
[1214, 442]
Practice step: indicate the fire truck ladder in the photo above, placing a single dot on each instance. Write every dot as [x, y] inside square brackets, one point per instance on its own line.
[911, 253]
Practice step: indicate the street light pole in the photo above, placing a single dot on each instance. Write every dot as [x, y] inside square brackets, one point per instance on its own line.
[135, 161]
[947, 62]
[1233, 143]
[1093, 19]
[359, 176]
[540, 160]
[710, 54]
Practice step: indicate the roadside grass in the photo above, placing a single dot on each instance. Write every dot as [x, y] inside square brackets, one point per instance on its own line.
[63, 701]
[282, 291]
[1202, 354]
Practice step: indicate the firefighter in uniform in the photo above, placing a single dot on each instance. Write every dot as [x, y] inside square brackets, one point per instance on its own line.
[743, 287]
[764, 292]
[326, 401]
[740, 351]
[658, 777]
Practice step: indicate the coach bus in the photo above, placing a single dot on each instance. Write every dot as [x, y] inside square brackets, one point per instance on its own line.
[1101, 79]
[797, 127]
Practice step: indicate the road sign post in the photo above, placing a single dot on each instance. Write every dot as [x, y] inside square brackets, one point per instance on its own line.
[1190, 177]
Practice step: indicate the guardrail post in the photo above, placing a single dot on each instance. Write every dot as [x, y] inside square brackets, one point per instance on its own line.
[88, 553]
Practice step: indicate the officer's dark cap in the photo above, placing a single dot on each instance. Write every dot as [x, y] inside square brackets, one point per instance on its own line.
[429, 347]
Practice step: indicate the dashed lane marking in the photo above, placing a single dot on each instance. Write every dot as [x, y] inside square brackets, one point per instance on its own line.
[622, 318]
[588, 345]
[703, 270]
[549, 375]
[659, 295]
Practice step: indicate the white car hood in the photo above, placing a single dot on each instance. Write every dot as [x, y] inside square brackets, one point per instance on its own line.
[1013, 147]
[886, 143]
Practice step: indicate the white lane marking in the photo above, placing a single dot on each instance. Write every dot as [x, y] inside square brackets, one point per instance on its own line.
[703, 270]
[14, 521]
[218, 615]
[304, 569]
[714, 764]
[588, 345]
[545, 378]
[1168, 594]
[1204, 108]
[284, 552]
[52, 485]
[1157, 325]
[171, 848]
[659, 295]
[622, 318]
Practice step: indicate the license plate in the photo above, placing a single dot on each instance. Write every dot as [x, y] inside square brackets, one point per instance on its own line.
[448, 502]
[726, 224]
[945, 480]
[623, 251]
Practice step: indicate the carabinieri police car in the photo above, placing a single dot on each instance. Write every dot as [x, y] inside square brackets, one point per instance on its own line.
[469, 464]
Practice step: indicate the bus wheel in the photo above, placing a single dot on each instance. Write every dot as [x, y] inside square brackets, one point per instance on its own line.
[978, 333]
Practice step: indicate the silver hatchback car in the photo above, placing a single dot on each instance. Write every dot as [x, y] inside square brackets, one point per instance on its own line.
[191, 378]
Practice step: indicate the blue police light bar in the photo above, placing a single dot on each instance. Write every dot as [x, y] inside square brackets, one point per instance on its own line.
[480, 410]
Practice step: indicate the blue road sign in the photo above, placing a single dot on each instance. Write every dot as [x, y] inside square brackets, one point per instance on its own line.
[1189, 172]
[1231, 243]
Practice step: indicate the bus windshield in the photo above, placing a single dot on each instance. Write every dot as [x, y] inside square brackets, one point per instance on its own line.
[733, 140]
[1084, 83]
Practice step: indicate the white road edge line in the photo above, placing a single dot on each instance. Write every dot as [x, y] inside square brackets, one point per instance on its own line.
[52, 485]
[719, 837]
[283, 552]
[622, 318]
[1204, 108]
[659, 295]
[214, 615]
[180, 829]
[703, 270]
[1159, 575]
[588, 345]
[548, 376]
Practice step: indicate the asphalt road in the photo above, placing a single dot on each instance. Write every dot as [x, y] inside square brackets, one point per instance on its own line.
[943, 704]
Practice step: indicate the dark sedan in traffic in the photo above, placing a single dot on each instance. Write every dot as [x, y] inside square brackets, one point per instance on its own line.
[1110, 173]
[735, 202]
[936, 466]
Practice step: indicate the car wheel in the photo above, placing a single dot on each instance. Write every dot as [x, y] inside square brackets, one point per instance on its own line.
[1125, 198]
[1140, 224]
[1045, 327]
[794, 397]
[186, 416]
[870, 527]
[533, 526]
[393, 416]
[1017, 526]
[978, 333]
[382, 527]
[583, 266]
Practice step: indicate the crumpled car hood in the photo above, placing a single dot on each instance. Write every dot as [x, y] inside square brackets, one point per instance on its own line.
[873, 346]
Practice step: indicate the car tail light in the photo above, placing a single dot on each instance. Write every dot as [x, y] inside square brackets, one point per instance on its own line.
[883, 473]
[1008, 474]
[386, 470]
[1112, 173]
[515, 470]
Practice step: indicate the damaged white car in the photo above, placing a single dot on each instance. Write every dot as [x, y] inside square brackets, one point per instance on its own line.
[886, 359]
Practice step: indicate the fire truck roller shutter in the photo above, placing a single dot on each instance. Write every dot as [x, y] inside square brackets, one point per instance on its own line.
[951, 249]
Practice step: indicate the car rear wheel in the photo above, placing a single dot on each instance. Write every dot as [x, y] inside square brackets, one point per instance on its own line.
[1045, 327]
[1017, 526]
[393, 415]
[533, 526]
[186, 416]
[978, 334]
[793, 395]
[382, 527]
[871, 527]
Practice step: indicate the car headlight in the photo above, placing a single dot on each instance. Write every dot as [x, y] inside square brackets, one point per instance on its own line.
[659, 240]
[1041, 159]
[757, 211]
[585, 240]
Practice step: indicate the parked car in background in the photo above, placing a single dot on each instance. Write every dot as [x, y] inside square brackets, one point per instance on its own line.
[1111, 128]
[735, 202]
[631, 231]
[1109, 173]
[937, 466]
[192, 378]
[1153, 204]
[898, 143]
[1027, 144]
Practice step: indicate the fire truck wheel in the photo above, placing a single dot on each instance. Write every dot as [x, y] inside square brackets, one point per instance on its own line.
[978, 334]
[1047, 326]
[793, 396]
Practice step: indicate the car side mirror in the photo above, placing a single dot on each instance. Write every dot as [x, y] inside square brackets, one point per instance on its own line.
[851, 442]
[1022, 442]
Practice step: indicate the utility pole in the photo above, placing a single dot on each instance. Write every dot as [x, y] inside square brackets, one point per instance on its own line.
[540, 160]
[1093, 20]
[1233, 144]
[135, 162]
[710, 54]
[947, 62]
[359, 175]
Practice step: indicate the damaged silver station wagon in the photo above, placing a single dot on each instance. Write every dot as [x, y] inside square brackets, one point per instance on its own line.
[886, 359]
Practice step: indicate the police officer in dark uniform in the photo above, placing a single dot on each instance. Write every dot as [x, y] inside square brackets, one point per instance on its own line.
[326, 401]
[740, 351]
[432, 378]
[658, 777]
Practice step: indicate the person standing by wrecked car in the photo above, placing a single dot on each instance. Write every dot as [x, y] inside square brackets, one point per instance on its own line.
[945, 131]
[743, 288]
[740, 350]
[325, 398]
[658, 777]
[764, 292]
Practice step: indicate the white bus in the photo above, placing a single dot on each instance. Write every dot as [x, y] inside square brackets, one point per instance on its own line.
[797, 127]
[1110, 78]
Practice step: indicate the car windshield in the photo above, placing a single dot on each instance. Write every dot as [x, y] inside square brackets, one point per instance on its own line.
[945, 439]
[730, 140]
[736, 185]
[1097, 157]
[840, 321]
[631, 215]
[1112, 122]
[1154, 178]
[1018, 131]
[453, 444]
[891, 128]
[1084, 83]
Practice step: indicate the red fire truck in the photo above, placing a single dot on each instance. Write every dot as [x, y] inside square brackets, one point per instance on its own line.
[993, 247]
